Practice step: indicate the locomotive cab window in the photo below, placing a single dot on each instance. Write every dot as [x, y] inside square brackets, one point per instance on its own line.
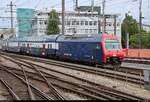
[112, 45]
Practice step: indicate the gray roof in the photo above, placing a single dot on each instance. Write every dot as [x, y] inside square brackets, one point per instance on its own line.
[88, 8]
[36, 38]
[87, 38]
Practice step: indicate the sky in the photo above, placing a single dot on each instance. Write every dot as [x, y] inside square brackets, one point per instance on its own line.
[112, 7]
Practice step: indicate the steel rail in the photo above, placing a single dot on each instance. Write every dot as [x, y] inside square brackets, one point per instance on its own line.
[98, 71]
[32, 97]
[13, 94]
[99, 90]
[45, 96]
[51, 87]
[91, 89]
[123, 93]
[88, 81]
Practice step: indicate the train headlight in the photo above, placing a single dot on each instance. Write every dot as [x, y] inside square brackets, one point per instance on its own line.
[114, 55]
[43, 53]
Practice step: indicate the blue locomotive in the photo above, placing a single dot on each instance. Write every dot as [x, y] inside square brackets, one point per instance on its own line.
[98, 49]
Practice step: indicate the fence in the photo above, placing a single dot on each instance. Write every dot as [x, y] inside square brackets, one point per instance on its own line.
[143, 53]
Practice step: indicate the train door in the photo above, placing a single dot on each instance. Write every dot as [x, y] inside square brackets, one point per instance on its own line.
[43, 49]
[28, 48]
[98, 52]
[18, 48]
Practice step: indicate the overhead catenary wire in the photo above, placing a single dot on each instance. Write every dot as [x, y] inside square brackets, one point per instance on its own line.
[84, 2]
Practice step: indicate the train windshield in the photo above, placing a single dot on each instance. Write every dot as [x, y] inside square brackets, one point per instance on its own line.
[112, 45]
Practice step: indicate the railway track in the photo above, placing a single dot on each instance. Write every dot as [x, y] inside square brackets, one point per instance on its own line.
[95, 91]
[134, 76]
[19, 88]
[66, 85]
[137, 60]
[47, 61]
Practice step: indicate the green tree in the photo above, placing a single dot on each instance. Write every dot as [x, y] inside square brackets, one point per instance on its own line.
[53, 22]
[130, 26]
[145, 37]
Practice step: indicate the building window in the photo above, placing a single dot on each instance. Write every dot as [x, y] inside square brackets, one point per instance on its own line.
[86, 30]
[45, 22]
[82, 22]
[90, 23]
[68, 22]
[77, 22]
[109, 24]
[90, 30]
[86, 22]
[118, 24]
[40, 22]
[95, 22]
[73, 22]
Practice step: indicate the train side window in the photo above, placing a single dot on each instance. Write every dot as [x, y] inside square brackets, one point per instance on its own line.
[44, 46]
[24, 45]
[27, 45]
[50, 46]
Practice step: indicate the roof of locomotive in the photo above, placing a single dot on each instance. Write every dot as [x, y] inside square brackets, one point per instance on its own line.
[80, 38]
[64, 38]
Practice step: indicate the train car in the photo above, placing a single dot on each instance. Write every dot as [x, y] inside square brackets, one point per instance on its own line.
[98, 49]
[12, 45]
[4, 45]
[39, 46]
[113, 53]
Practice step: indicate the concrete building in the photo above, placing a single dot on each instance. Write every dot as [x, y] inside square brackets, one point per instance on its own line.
[77, 22]
[24, 17]
[146, 27]
[6, 33]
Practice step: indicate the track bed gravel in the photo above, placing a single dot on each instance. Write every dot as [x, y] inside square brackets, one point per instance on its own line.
[120, 85]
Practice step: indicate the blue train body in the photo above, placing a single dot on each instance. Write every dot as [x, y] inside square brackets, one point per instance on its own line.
[89, 49]
[81, 48]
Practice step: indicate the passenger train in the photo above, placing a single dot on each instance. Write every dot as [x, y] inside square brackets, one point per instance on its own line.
[97, 49]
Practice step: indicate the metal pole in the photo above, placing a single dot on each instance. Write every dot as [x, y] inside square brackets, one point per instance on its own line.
[127, 40]
[103, 16]
[63, 17]
[126, 32]
[11, 14]
[115, 24]
[11, 11]
[92, 6]
[140, 26]
[104, 23]
[140, 22]
[99, 20]
[76, 3]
